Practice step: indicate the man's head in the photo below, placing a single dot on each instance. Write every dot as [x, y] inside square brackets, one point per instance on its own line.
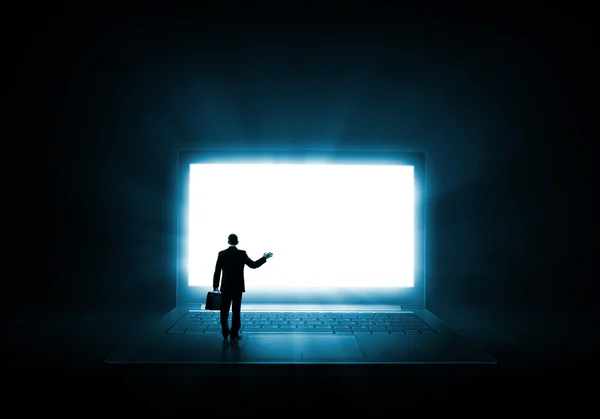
[233, 239]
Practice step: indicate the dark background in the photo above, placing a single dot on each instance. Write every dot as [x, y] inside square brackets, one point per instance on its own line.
[499, 98]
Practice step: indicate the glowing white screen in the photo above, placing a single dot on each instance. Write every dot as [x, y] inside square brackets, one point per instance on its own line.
[327, 225]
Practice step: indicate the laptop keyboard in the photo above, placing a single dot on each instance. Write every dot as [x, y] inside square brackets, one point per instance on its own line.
[339, 323]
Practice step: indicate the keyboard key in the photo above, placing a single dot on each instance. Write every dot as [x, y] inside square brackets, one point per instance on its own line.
[342, 329]
[360, 328]
[201, 327]
[414, 325]
[378, 329]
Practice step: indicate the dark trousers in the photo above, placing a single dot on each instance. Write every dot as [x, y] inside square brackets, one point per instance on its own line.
[233, 300]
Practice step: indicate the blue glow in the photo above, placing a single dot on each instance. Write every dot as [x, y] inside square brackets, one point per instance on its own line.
[328, 225]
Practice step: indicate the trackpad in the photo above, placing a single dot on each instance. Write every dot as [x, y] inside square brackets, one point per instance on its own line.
[301, 348]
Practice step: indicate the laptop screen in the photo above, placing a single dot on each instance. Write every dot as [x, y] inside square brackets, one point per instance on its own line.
[343, 226]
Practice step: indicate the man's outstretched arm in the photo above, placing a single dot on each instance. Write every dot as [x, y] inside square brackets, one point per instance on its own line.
[217, 275]
[255, 264]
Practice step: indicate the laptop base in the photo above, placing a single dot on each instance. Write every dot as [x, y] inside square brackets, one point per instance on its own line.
[155, 346]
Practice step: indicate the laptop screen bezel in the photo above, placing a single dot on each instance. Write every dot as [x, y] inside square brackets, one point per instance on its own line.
[408, 297]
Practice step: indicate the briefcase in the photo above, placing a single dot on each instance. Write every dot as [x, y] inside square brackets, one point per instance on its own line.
[213, 301]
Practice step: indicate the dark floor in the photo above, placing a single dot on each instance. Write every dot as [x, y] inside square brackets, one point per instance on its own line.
[540, 357]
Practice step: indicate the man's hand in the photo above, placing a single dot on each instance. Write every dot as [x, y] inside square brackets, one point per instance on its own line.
[267, 255]
[216, 290]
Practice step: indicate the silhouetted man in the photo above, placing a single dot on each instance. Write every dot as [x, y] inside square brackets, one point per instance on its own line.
[231, 261]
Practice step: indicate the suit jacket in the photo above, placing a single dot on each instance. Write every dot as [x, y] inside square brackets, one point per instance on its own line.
[231, 262]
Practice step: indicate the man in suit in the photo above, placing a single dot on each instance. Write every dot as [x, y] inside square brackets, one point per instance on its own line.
[231, 262]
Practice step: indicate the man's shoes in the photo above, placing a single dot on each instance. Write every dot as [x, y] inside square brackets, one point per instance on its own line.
[225, 335]
[236, 337]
